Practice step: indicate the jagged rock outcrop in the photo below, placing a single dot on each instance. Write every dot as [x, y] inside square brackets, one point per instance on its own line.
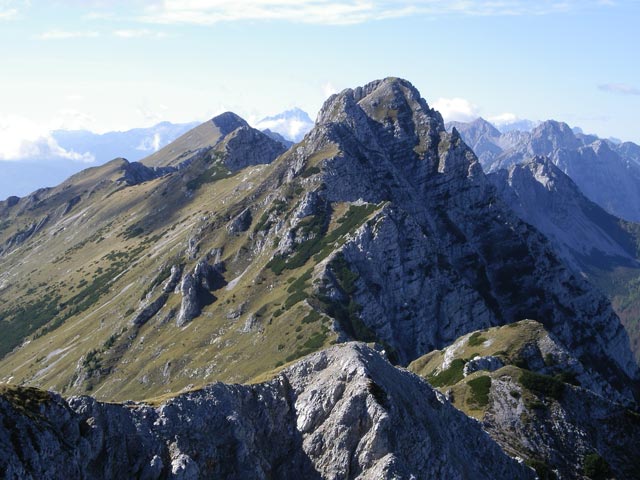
[339, 414]
[629, 150]
[190, 306]
[490, 363]
[241, 222]
[565, 433]
[174, 277]
[277, 137]
[444, 255]
[70, 204]
[247, 146]
[136, 172]
[150, 310]
[196, 290]
[21, 236]
[11, 201]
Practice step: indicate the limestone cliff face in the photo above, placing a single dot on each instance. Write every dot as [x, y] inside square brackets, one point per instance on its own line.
[565, 432]
[582, 232]
[444, 256]
[339, 414]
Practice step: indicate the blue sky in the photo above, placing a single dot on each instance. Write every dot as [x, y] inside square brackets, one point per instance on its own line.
[113, 65]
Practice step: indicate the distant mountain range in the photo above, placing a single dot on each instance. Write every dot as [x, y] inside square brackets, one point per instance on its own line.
[24, 176]
[49, 168]
[608, 173]
[132, 144]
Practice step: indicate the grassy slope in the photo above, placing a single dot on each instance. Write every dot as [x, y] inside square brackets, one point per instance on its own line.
[533, 397]
[115, 245]
[504, 342]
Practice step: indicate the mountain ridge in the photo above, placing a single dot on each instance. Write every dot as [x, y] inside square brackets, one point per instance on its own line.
[378, 173]
[226, 257]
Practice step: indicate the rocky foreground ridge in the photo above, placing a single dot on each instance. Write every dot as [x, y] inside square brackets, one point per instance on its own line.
[341, 413]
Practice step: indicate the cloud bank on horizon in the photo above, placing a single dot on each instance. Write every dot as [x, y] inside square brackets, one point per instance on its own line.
[462, 110]
[323, 12]
[330, 12]
[22, 139]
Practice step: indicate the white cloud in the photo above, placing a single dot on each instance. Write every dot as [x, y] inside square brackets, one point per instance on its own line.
[456, 109]
[619, 88]
[333, 12]
[66, 34]
[328, 89]
[139, 33]
[99, 16]
[292, 124]
[150, 144]
[8, 14]
[504, 118]
[291, 129]
[10, 9]
[23, 139]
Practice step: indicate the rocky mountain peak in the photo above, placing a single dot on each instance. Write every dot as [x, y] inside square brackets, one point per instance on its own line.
[380, 100]
[544, 171]
[484, 127]
[585, 235]
[220, 134]
[382, 143]
[227, 122]
[552, 135]
[602, 147]
[476, 130]
[390, 142]
[608, 174]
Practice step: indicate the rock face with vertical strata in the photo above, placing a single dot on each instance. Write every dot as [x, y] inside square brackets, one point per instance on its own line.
[444, 255]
